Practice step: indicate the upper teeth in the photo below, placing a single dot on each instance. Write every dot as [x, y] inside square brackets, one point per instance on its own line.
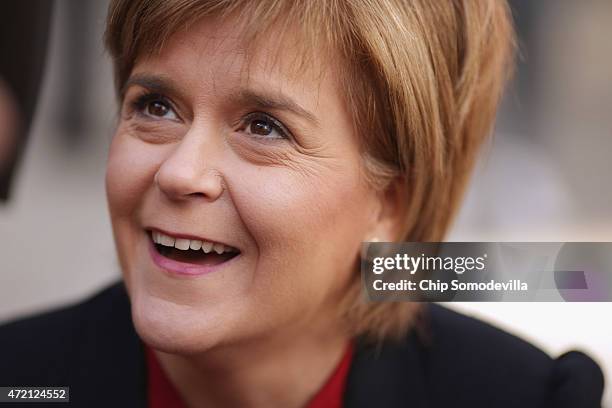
[185, 244]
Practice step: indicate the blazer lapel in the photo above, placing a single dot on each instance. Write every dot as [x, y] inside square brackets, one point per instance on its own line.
[389, 375]
[108, 362]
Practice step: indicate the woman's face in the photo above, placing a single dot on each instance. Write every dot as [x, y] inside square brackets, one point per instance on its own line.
[212, 149]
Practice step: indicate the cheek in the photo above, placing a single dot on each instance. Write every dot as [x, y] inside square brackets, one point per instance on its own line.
[130, 171]
[308, 224]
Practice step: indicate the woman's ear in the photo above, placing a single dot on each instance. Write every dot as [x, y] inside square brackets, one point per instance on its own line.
[391, 211]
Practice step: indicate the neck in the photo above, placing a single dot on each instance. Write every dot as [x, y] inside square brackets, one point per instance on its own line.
[279, 371]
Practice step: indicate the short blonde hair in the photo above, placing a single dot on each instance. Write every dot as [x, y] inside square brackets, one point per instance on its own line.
[422, 82]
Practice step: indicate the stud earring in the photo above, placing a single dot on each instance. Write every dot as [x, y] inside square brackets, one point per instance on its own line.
[366, 245]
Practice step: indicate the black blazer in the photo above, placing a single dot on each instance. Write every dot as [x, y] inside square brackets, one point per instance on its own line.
[461, 362]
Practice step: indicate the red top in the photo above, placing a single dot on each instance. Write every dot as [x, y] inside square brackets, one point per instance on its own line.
[162, 394]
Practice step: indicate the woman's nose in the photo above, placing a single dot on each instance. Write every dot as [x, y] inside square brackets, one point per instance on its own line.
[189, 173]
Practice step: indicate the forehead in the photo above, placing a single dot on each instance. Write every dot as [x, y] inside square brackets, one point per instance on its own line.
[214, 54]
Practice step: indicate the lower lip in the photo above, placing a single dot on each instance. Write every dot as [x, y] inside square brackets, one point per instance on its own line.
[181, 268]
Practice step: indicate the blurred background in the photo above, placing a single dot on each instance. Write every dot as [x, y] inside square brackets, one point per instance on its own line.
[545, 176]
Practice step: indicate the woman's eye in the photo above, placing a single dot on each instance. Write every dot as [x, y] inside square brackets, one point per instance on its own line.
[155, 107]
[261, 127]
[158, 108]
[265, 126]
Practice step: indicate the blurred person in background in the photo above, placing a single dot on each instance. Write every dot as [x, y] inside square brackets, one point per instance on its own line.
[8, 132]
[24, 29]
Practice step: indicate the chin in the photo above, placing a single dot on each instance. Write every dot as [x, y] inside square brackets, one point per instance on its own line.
[173, 328]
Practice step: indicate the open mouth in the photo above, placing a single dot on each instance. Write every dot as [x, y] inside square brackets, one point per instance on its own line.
[192, 251]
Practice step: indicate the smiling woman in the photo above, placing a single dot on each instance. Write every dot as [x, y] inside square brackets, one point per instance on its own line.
[258, 145]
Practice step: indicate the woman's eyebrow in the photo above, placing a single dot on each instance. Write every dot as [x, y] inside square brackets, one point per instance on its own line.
[153, 83]
[273, 101]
